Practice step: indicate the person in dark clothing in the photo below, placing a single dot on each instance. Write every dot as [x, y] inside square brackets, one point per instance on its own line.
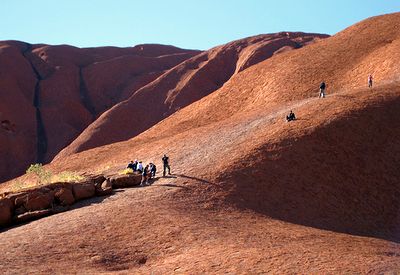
[291, 116]
[131, 165]
[165, 161]
[149, 170]
[153, 170]
[322, 88]
[370, 79]
[145, 176]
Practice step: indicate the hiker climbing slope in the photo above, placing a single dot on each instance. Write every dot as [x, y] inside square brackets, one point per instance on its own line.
[322, 88]
[165, 161]
[370, 79]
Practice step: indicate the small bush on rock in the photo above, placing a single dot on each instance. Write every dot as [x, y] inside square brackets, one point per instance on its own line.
[66, 176]
[126, 171]
[43, 176]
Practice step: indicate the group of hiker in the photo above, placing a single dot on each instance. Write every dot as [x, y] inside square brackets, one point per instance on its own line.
[149, 171]
[322, 87]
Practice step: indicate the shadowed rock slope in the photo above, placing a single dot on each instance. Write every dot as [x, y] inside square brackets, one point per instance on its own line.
[51, 93]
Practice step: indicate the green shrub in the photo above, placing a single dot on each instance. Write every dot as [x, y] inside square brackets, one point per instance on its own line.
[42, 175]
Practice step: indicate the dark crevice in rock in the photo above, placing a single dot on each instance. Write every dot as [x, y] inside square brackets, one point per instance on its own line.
[84, 95]
[41, 142]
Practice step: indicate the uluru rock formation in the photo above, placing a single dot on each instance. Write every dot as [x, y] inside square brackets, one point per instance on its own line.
[50, 94]
[250, 193]
[182, 85]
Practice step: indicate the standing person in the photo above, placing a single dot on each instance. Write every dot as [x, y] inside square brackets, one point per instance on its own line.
[322, 88]
[370, 78]
[165, 161]
[139, 167]
[153, 170]
[145, 176]
[149, 170]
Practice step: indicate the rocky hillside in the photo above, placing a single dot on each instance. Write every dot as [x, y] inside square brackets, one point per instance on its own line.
[250, 192]
[184, 84]
[50, 94]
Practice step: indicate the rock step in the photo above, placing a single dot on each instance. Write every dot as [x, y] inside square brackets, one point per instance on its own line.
[57, 197]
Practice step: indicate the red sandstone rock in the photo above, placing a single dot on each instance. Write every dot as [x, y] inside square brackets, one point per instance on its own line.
[6, 211]
[253, 193]
[18, 199]
[68, 94]
[104, 188]
[32, 215]
[64, 196]
[17, 127]
[335, 168]
[123, 181]
[83, 190]
[184, 84]
[38, 200]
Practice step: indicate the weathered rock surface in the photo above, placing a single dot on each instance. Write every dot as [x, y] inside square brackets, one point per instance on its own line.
[32, 215]
[123, 181]
[252, 193]
[186, 83]
[62, 89]
[105, 188]
[83, 190]
[64, 196]
[38, 200]
[6, 211]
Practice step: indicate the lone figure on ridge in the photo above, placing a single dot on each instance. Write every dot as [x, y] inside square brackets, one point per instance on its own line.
[370, 79]
[165, 161]
[322, 88]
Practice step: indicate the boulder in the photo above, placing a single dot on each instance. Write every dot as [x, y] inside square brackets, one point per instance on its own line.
[104, 189]
[33, 215]
[38, 200]
[122, 181]
[57, 185]
[98, 179]
[18, 199]
[6, 211]
[64, 196]
[83, 190]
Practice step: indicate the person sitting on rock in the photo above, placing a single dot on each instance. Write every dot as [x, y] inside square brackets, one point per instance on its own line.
[139, 167]
[291, 116]
[135, 164]
[131, 165]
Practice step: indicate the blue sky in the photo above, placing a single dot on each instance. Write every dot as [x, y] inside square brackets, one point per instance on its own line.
[200, 24]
